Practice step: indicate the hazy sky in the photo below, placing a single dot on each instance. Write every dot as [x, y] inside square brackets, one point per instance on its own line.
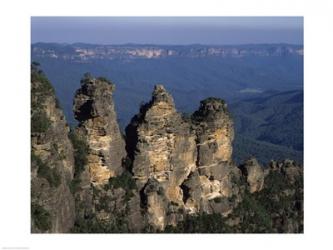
[167, 30]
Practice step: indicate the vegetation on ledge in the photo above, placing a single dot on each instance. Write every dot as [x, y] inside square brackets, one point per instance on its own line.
[80, 158]
[41, 217]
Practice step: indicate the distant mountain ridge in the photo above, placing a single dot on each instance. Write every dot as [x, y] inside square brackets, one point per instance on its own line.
[270, 123]
[81, 51]
[275, 118]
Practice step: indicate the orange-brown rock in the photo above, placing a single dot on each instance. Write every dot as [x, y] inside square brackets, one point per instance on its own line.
[94, 109]
[213, 179]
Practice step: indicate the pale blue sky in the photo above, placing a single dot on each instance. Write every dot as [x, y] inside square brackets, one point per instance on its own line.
[167, 30]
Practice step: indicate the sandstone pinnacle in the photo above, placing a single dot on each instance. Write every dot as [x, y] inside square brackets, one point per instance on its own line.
[94, 109]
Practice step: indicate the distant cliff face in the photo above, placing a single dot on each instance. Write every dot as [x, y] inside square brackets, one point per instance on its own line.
[52, 162]
[94, 109]
[92, 52]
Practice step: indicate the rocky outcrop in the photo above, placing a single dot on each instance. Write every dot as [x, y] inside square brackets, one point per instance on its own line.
[165, 153]
[52, 163]
[188, 162]
[213, 181]
[106, 193]
[165, 148]
[96, 197]
[94, 109]
[288, 168]
[254, 174]
[215, 133]
[173, 170]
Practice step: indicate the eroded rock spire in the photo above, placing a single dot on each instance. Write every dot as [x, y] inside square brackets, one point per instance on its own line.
[165, 154]
[182, 164]
[94, 109]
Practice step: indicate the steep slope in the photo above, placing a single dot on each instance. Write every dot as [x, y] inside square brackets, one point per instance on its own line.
[270, 126]
[245, 147]
[272, 117]
[52, 162]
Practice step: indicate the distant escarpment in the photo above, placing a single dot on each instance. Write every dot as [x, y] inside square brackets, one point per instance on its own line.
[168, 173]
[80, 51]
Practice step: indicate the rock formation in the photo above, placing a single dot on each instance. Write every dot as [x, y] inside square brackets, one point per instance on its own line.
[164, 156]
[94, 109]
[171, 172]
[182, 164]
[272, 201]
[105, 189]
[52, 163]
[215, 132]
[254, 175]
[214, 177]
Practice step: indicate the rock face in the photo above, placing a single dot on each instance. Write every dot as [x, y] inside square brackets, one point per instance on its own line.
[106, 192]
[213, 182]
[215, 132]
[52, 163]
[254, 175]
[164, 153]
[181, 164]
[166, 148]
[94, 109]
